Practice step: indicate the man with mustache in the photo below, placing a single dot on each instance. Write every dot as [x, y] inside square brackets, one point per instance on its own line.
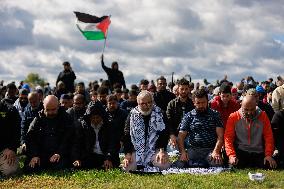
[31, 111]
[146, 135]
[49, 138]
[177, 108]
[248, 137]
[77, 111]
[22, 102]
[202, 128]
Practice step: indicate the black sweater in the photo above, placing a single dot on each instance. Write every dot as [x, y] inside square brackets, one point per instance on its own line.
[9, 127]
[175, 112]
[277, 125]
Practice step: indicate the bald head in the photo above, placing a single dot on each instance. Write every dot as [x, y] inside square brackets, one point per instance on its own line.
[50, 104]
[50, 99]
[249, 100]
[33, 95]
[249, 106]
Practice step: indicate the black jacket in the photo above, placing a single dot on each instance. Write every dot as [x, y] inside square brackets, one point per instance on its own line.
[49, 136]
[68, 78]
[277, 124]
[9, 100]
[267, 108]
[175, 112]
[162, 98]
[28, 116]
[85, 136]
[128, 105]
[9, 127]
[114, 76]
[86, 139]
[76, 115]
[117, 122]
[60, 92]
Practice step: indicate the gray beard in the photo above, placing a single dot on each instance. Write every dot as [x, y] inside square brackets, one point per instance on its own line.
[145, 113]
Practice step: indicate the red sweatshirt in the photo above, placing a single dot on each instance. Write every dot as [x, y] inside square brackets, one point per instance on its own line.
[218, 105]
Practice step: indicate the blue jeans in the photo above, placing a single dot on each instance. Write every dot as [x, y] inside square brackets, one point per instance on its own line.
[198, 157]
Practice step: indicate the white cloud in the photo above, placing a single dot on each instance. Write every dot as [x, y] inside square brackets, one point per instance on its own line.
[204, 38]
[13, 23]
[57, 29]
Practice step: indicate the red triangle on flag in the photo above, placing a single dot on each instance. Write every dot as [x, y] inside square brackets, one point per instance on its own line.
[103, 25]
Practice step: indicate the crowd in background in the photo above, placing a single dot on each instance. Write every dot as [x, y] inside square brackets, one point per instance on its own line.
[87, 126]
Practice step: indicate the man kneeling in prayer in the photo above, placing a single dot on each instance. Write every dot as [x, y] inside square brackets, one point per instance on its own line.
[9, 139]
[202, 130]
[146, 136]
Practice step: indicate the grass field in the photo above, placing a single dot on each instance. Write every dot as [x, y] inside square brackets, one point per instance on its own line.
[117, 179]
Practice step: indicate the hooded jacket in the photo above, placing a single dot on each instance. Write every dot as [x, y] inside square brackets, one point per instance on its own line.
[251, 135]
[68, 78]
[86, 135]
[114, 75]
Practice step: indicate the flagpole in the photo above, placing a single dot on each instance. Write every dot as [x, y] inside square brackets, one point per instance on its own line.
[104, 47]
[172, 80]
[105, 41]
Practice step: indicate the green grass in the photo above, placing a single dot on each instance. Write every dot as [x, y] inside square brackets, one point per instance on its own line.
[117, 179]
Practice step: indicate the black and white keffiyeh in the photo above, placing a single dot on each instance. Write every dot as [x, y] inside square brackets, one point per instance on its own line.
[192, 171]
[196, 171]
[145, 149]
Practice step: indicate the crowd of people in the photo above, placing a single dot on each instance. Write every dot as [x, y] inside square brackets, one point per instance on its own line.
[73, 126]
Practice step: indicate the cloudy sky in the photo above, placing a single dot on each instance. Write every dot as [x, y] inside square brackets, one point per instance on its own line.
[148, 38]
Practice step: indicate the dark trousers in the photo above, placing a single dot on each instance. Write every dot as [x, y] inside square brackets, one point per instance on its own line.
[94, 160]
[250, 159]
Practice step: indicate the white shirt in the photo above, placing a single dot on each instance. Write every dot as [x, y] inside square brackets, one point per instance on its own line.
[97, 148]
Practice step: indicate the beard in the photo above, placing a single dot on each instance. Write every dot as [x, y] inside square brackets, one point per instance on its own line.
[79, 111]
[24, 103]
[248, 116]
[51, 116]
[145, 113]
[201, 110]
[183, 95]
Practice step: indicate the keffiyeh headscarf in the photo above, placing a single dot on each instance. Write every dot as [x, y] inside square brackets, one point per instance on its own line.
[145, 149]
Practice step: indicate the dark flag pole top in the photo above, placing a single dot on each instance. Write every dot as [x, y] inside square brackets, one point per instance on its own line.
[105, 40]
[172, 80]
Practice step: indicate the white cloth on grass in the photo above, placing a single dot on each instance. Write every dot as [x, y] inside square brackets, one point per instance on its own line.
[196, 171]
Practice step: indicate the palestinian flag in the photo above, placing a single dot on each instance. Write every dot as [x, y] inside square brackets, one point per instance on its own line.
[92, 27]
